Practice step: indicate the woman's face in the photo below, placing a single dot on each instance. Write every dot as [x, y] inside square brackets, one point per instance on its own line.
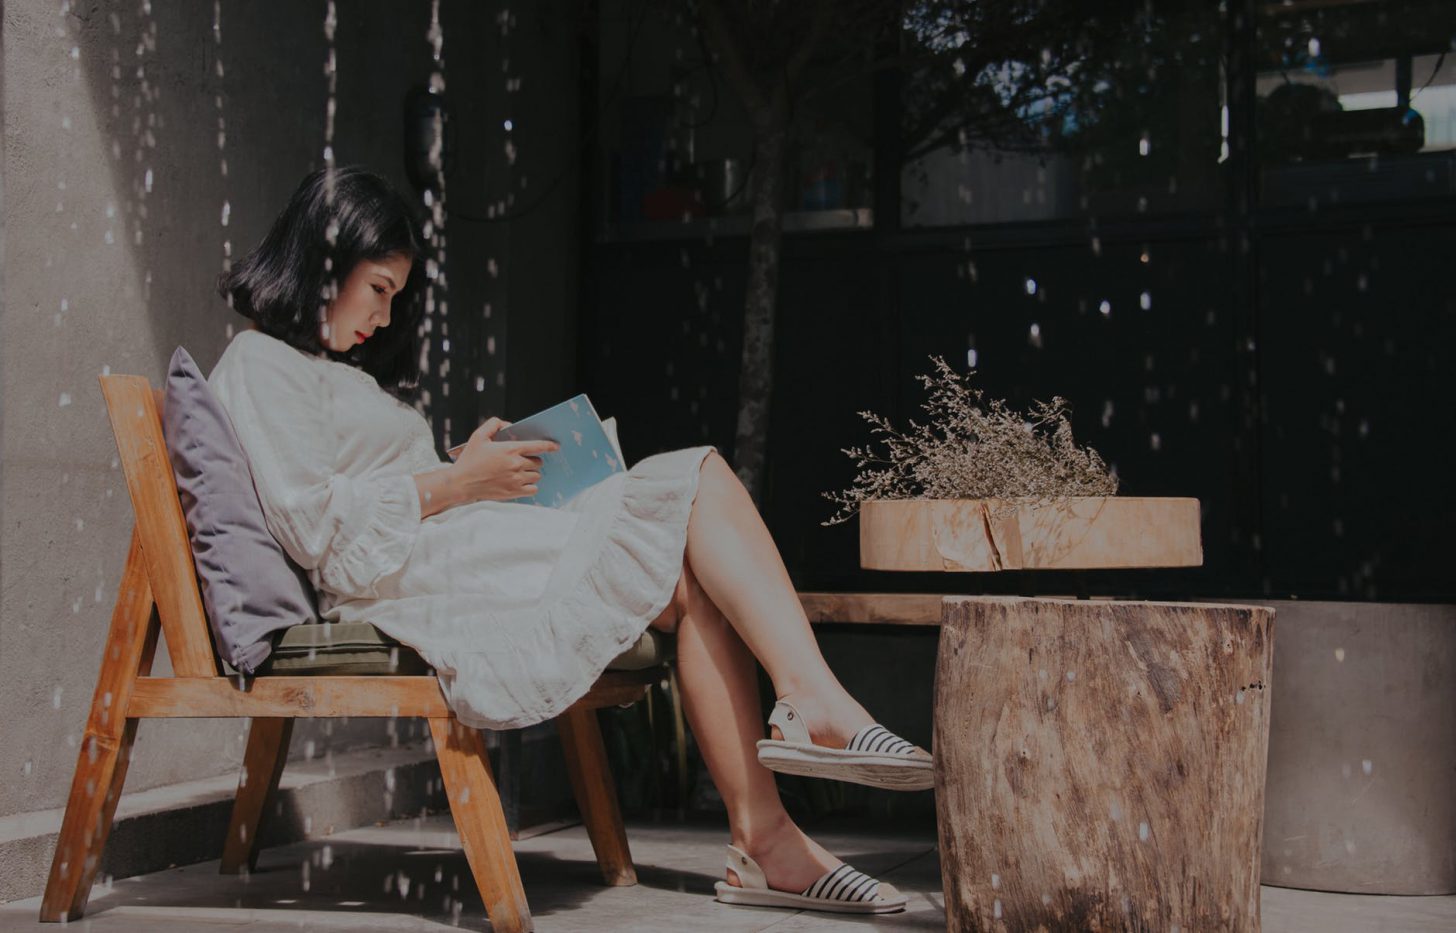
[363, 302]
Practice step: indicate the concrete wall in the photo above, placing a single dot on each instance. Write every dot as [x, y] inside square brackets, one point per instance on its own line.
[1361, 790]
[113, 234]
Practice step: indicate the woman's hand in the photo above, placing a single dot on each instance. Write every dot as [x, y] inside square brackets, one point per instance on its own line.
[491, 469]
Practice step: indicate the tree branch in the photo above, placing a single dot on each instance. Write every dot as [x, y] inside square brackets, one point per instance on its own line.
[817, 28]
[724, 41]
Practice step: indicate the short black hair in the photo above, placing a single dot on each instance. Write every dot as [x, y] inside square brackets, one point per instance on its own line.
[286, 282]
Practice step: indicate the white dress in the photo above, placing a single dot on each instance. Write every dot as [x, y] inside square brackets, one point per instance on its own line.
[517, 607]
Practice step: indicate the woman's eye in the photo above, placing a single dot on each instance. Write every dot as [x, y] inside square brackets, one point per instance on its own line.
[378, 289]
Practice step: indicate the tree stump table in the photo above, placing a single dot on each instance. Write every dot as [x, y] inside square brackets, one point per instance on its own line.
[1099, 764]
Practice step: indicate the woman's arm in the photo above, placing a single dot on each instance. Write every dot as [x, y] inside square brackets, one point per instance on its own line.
[439, 490]
[484, 469]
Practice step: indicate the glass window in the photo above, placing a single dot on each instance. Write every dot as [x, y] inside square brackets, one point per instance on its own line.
[1026, 111]
[1355, 101]
[676, 150]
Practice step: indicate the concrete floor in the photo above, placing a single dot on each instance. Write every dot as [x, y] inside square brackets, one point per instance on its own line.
[411, 876]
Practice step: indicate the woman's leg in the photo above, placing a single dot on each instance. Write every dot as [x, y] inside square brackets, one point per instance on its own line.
[734, 559]
[719, 683]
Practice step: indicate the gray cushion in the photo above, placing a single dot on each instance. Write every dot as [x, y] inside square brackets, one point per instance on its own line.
[250, 586]
[360, 648]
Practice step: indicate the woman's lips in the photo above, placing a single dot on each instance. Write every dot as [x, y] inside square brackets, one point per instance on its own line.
[361, 335]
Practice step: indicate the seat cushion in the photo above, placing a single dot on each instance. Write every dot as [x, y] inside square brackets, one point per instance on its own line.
[359, 648]
[250, 586]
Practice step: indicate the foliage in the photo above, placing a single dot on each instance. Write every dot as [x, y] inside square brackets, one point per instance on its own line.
[972, 450]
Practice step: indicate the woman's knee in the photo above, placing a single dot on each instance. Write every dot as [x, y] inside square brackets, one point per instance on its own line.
[717, 469]
[677, 604]
[688, 596]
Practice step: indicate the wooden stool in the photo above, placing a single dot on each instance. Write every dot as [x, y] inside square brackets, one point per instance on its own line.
[1100, 764]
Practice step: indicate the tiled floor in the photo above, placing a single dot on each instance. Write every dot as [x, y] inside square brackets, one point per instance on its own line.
[411, 876]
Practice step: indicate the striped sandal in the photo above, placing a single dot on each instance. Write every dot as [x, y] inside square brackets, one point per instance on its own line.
[874, 756]
[840, 890]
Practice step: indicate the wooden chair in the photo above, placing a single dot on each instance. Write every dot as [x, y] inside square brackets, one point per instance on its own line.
[159, 589]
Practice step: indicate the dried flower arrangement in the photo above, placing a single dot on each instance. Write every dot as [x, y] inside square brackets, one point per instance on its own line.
[980, 452]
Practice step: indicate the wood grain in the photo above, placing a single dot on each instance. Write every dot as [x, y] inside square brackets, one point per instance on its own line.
[476, 807]
[333, 696]
[257, 787]
[1101, 765]
[1072, 533]
[596, 793]
[873, 608]
[131, 644]
[132, 408]
[310, 697]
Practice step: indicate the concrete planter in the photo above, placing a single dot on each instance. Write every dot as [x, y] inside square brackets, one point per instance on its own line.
[1361, 792]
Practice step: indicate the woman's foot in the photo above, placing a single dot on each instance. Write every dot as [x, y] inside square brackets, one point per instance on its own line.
[873, 755]
[831, 721]
[792, 858]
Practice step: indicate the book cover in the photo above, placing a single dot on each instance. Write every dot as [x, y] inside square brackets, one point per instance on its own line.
[589, 449]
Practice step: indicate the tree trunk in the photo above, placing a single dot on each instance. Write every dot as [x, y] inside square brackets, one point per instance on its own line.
[755, 380]
[1100, 765]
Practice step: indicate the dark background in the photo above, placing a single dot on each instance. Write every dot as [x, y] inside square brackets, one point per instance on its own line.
[1292, 371]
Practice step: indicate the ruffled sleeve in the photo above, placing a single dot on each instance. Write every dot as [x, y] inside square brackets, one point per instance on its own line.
[348, 524]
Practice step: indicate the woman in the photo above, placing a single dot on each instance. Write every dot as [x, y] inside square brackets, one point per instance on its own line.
[519, 607]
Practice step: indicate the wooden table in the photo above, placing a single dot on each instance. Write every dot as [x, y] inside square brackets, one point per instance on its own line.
[1099, 763]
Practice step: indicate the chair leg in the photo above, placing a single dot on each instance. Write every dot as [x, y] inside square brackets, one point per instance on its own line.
[476, 806]
[257, 788]
[105, 752]
[596, 793]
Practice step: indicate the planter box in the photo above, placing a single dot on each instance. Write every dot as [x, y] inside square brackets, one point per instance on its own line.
[1072, 533]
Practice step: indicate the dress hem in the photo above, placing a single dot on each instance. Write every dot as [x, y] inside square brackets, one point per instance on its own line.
[646, 527]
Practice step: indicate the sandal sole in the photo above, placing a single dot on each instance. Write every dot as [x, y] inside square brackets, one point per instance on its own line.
[753, 897]
[883, 771]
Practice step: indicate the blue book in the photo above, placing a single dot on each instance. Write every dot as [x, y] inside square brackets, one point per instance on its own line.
[589, 449]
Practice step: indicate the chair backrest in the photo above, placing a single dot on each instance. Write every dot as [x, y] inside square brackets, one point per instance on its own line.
[134, 408]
